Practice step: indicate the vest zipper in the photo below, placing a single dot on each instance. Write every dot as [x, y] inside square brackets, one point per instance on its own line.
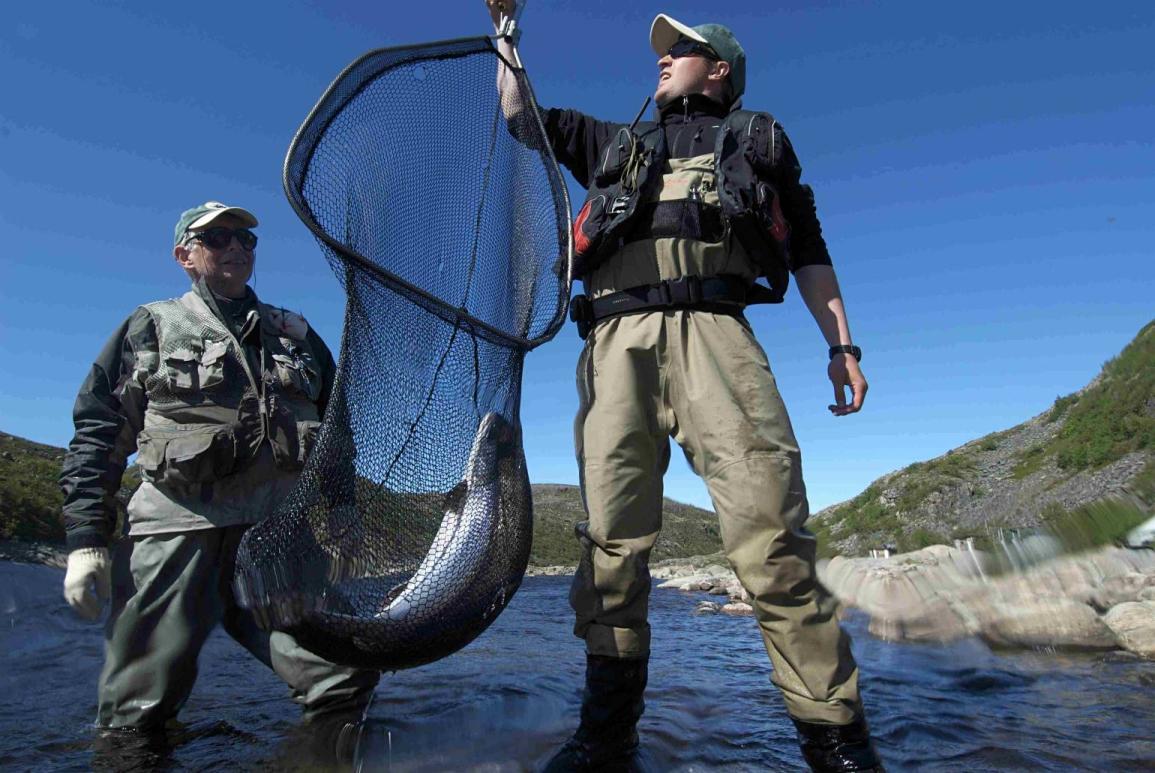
[258, 386]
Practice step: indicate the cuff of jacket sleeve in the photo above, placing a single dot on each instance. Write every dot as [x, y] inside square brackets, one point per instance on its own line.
[86, 539]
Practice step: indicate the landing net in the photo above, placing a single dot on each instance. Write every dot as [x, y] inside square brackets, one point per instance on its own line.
[447, 223]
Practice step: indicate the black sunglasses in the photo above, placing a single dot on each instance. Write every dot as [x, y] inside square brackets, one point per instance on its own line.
[687, 47]
[220, 237]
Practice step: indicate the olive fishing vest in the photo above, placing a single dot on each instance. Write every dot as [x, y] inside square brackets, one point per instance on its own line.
[619, 209]
[208, 412]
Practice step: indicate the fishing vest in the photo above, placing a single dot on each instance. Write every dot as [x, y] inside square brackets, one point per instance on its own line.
[631, 168]
[208, 412]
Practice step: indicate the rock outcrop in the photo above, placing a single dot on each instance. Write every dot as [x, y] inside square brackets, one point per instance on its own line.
[941, 594]
[1100, 600]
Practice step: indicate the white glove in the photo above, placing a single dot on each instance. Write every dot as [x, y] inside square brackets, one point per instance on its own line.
[87, 581]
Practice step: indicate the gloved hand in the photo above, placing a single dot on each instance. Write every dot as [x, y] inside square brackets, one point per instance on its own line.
[87, 581]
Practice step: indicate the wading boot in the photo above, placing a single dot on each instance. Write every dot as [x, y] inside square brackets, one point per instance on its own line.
[607, 738]
[837, 748]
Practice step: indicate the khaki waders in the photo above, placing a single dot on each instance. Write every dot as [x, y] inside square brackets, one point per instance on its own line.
[703, 379]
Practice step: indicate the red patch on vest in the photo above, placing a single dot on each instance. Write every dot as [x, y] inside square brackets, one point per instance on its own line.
[581, 242]
[780, 229]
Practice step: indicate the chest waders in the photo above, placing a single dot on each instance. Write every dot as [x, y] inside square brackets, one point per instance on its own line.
[669, 259]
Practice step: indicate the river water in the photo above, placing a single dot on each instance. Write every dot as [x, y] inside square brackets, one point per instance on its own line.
[505, 701]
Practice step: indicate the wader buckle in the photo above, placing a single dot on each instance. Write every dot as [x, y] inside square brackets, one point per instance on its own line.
[581, 311]
[684, 291]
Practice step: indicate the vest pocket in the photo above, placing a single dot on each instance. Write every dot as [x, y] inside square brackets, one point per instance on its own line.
[181, 458]
[293, 441]
[297, 374]
[193, 370]
[307, 432]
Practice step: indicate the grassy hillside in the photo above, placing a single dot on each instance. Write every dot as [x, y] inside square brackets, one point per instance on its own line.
[1085, 468]
[29, 496]
[686, 530]
[30, 502]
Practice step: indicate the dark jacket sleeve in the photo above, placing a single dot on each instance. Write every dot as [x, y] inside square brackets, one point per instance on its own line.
[576, 139]
[108, 414]
[807, 247]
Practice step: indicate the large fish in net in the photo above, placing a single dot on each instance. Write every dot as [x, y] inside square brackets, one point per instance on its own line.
[440, 207]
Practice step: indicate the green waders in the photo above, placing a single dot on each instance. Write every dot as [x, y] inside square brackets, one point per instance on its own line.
[169, 592]
[703, 379]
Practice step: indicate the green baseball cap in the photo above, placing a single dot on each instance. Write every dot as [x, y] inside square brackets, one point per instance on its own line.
[205, 214]
[665, 31]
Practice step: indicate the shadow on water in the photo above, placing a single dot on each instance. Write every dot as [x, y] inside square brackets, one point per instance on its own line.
[505, 702]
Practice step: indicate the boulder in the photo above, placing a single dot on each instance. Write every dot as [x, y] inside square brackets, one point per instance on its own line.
[736, 592]
[693, 582]
[738, 608]
[1133, 623]
[1120, 589]
[707, 608]
[1060, 623]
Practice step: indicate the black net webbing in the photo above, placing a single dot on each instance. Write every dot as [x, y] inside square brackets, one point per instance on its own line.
[439, 205]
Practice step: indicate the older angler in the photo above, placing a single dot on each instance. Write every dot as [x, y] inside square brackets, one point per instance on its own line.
[221, 395]
[682, 216]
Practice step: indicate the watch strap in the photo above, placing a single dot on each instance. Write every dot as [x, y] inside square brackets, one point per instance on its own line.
[850, 349]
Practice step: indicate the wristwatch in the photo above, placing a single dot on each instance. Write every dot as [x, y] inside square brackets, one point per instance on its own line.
[850, 349]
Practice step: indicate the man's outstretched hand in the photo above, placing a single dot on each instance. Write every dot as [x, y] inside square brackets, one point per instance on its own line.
[844, 372]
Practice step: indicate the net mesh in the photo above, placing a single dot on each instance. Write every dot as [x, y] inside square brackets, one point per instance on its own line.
[447, 224]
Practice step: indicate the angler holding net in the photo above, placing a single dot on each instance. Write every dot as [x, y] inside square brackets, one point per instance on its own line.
[685, 217]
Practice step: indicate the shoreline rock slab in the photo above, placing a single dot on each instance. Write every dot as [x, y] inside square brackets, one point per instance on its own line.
[941, 594]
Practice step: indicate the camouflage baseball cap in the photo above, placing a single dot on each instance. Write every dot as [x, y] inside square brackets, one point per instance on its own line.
[205, 214]
[665, 31]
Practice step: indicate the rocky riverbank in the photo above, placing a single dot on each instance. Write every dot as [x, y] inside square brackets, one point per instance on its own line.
[550, 571]
[1100, 600]
[33, 553]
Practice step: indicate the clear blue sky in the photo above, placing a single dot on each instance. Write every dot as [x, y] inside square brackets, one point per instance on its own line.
[985, 175]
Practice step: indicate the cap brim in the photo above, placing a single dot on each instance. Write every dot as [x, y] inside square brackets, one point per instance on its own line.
[665, 31]
[247, 217]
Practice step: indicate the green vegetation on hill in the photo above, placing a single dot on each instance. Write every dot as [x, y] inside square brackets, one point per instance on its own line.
[686, 530]
[30, 502]
[29, 496]
[1110, 419]
[1115, 416]
[879, 518]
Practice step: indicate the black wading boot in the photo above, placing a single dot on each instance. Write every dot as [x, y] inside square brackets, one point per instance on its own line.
[607, 738]
[837, 748]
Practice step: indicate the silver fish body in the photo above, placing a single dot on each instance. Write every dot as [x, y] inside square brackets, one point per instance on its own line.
[471, 521]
